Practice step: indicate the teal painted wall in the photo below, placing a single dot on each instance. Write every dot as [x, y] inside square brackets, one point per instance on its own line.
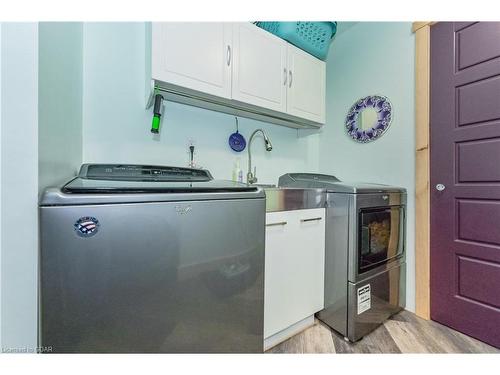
[116, 127]
[60, 91]
[1, 183]
[374, 58]
[18, 186]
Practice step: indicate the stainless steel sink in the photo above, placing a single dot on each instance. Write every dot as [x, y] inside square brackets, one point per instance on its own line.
[286, 199]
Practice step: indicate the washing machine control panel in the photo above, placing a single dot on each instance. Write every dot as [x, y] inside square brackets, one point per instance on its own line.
[132, 172]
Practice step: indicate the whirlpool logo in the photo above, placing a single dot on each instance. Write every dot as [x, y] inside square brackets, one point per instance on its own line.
[183, 209]
[87, 226]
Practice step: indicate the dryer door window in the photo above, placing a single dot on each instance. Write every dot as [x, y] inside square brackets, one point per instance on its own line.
[380, 236]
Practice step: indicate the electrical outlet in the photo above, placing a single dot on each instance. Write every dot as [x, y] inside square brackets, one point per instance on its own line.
[191, 151]
[191, 144]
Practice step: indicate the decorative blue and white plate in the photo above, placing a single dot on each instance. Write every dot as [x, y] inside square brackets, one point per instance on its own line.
[369, 118]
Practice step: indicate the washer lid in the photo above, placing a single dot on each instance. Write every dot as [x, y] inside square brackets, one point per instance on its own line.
[131, 178]
[119, 183]
[89, 186]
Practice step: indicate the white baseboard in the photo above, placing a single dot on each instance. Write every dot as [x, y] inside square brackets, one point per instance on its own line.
[281, 336]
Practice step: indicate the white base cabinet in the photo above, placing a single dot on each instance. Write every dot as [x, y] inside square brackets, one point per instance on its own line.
[288, 332]
[294, 267]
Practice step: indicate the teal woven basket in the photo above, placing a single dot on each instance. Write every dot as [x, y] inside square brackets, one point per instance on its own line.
[312, 37]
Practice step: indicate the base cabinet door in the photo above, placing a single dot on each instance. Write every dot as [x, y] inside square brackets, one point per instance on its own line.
[306, 85]
[259, 71]
[193, 55]
[294, 267]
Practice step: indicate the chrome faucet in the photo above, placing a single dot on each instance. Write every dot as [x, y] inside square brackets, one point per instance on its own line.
[252, 177]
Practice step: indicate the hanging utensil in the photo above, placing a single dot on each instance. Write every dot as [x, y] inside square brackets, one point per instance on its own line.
[236, 141]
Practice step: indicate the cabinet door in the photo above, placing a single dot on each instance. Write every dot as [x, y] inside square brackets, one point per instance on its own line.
[193, 55]
[294, 269]
[259, 70]
[306, 85]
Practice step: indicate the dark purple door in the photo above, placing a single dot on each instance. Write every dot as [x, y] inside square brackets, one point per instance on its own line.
[465, 160]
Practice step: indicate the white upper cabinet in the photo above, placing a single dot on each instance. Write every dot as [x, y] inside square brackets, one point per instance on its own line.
[194, 55]
[306, 85]
[238, 68]
[259, 70]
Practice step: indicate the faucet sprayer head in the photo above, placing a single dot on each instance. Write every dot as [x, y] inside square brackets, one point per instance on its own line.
[267, 141]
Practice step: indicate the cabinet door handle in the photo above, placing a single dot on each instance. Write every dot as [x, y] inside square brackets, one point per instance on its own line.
[228, 55]
[276, 224]
[290, 79]
[311, 219]
[284, 77]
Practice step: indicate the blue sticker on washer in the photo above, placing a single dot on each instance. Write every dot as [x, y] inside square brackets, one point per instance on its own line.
[87, 226]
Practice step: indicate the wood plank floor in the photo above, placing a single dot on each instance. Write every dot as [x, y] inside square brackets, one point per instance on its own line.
[403, 333]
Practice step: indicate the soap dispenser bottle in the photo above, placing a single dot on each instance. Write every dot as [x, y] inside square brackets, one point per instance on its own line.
[237, 171]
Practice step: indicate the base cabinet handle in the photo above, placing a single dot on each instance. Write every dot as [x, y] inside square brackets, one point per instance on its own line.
[311, 219]
[276, 224]
[228, 55]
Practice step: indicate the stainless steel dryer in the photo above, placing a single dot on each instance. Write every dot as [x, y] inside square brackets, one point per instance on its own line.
[151, 259]
[365, 268]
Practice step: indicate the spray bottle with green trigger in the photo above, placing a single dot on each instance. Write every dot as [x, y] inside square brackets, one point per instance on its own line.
[155, 125]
